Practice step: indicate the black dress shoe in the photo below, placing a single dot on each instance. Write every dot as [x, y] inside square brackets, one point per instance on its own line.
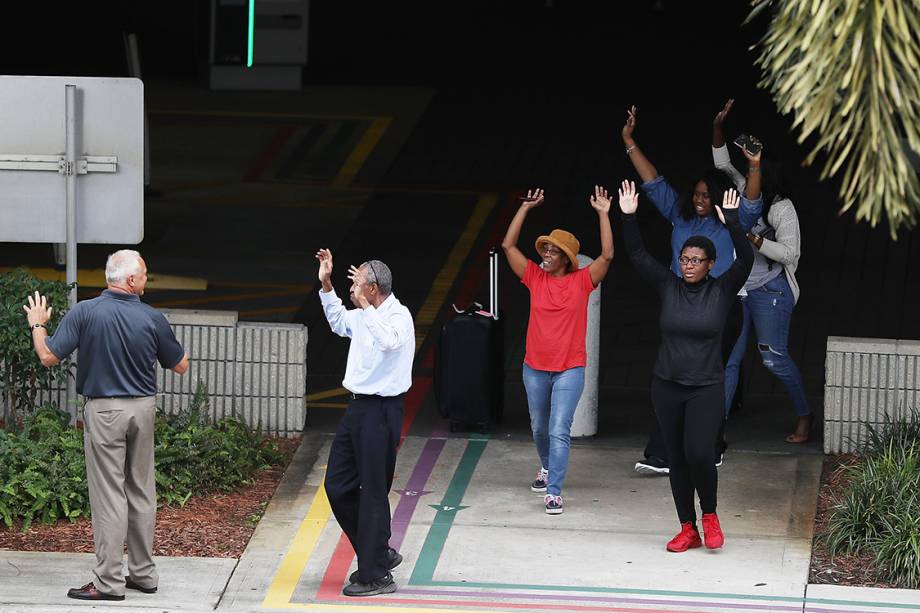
[90, 592]
[394, 559]
[133, 586]
[383, 585]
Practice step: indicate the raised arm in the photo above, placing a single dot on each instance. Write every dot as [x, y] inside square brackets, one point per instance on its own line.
[38, 314]
[516, 259]
[718, 137]
[646, 171]
[601, 264]
[720, 157]
[740, 269]
[335, 311]
[651, 269]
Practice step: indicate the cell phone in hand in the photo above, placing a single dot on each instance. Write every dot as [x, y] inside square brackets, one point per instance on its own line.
[746, 142]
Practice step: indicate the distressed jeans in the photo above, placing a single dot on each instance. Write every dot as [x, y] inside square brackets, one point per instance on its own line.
[552, 398]
[769, 310]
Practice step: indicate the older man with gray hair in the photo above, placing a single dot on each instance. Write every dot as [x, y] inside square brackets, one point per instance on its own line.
[362, 458]
[120, 339]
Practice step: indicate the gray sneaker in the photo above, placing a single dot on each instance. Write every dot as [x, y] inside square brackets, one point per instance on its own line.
[383, 585]
[394, 559]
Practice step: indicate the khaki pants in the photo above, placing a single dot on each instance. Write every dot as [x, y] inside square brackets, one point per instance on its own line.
[118, 441]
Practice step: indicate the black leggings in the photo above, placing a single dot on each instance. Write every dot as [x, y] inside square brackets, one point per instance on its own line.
[690, 417]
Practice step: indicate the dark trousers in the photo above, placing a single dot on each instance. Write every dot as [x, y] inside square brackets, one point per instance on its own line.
[359, 474]
[655, 445]
[690, 416]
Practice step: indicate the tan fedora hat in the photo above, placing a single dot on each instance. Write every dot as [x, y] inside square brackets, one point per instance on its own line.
[566, 241]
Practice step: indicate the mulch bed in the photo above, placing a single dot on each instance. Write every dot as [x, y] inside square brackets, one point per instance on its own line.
[212, 526]
[855, 570]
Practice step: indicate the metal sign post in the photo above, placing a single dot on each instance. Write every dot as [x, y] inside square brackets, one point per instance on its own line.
[70, 161]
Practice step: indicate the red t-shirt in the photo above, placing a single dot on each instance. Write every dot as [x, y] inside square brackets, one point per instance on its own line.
[558, 318]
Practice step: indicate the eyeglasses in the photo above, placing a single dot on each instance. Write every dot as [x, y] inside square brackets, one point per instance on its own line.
[374, 272]
[684, 260]
[547, 248]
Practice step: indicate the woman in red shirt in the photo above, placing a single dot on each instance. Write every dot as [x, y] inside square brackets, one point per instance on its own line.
[555, 356]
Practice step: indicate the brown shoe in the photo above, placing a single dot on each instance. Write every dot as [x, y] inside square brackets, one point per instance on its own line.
[133, 586]
[90, 592]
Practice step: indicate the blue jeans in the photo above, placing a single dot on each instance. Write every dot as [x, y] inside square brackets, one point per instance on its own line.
[552, 398]
[769, 310]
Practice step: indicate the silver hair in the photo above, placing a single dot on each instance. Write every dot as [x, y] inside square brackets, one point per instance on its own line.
[121, 265]
[377, 272]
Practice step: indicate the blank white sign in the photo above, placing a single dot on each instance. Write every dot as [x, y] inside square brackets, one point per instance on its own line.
[110, 122]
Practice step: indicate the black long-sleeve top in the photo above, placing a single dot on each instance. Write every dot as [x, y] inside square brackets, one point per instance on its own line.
[692, 314]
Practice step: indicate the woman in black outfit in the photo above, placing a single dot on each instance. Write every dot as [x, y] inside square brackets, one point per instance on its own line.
[688, 388]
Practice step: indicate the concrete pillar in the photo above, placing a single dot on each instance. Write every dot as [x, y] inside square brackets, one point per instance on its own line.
[584, 423]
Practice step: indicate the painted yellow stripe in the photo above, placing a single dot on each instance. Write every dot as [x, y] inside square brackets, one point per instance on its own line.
[448, 274]
[282, 588]
[339, 391]
[96, 278]
[362, 150]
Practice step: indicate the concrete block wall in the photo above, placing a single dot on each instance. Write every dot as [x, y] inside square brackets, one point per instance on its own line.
[257, 371]
[865, 380]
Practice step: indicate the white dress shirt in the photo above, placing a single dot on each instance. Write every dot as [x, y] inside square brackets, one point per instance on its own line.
[382, 344]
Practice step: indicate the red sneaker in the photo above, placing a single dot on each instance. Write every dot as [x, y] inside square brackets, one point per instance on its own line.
[687, 538]
[712, 531]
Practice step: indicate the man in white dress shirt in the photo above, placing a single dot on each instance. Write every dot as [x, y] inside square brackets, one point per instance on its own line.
[362, 459]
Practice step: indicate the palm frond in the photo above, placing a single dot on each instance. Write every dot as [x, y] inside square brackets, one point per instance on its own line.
[848, 71]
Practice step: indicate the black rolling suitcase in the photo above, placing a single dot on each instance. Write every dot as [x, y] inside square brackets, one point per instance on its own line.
[469, 365]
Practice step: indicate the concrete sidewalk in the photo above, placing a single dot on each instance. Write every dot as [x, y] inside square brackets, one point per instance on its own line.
[475, 538]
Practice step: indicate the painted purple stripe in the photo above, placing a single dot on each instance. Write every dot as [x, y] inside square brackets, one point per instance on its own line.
[417, 480]
[747, 606]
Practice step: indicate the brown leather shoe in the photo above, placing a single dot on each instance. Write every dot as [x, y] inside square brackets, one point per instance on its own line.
[91, 592]
[133, 586]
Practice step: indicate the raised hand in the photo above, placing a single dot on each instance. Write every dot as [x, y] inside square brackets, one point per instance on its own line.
[534, 198]
[37, 311]
[359, 283]
[753, 158]
[721, 115]
[629, 198]
[325, 265]
[730, 200]
[600, 201]
[630, 125]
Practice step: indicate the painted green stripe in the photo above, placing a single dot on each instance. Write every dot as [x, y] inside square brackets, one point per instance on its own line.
[431, 550]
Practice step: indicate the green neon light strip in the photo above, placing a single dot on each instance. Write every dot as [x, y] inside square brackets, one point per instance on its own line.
[252, 14]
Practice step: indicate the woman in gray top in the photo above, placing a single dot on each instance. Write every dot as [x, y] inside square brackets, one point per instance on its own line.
[771, 288]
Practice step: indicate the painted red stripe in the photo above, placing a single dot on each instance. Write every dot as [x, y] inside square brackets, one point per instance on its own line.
[278, 141]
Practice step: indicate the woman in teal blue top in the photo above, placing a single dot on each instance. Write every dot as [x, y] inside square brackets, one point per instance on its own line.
[692, 216]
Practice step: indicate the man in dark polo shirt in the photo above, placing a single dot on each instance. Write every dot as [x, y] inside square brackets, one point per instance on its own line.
[120, 340]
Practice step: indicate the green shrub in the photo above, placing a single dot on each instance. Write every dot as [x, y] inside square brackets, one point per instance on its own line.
[880, 510]
[21, 374]
[43, 471]
[900, 432]
[194, 454]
